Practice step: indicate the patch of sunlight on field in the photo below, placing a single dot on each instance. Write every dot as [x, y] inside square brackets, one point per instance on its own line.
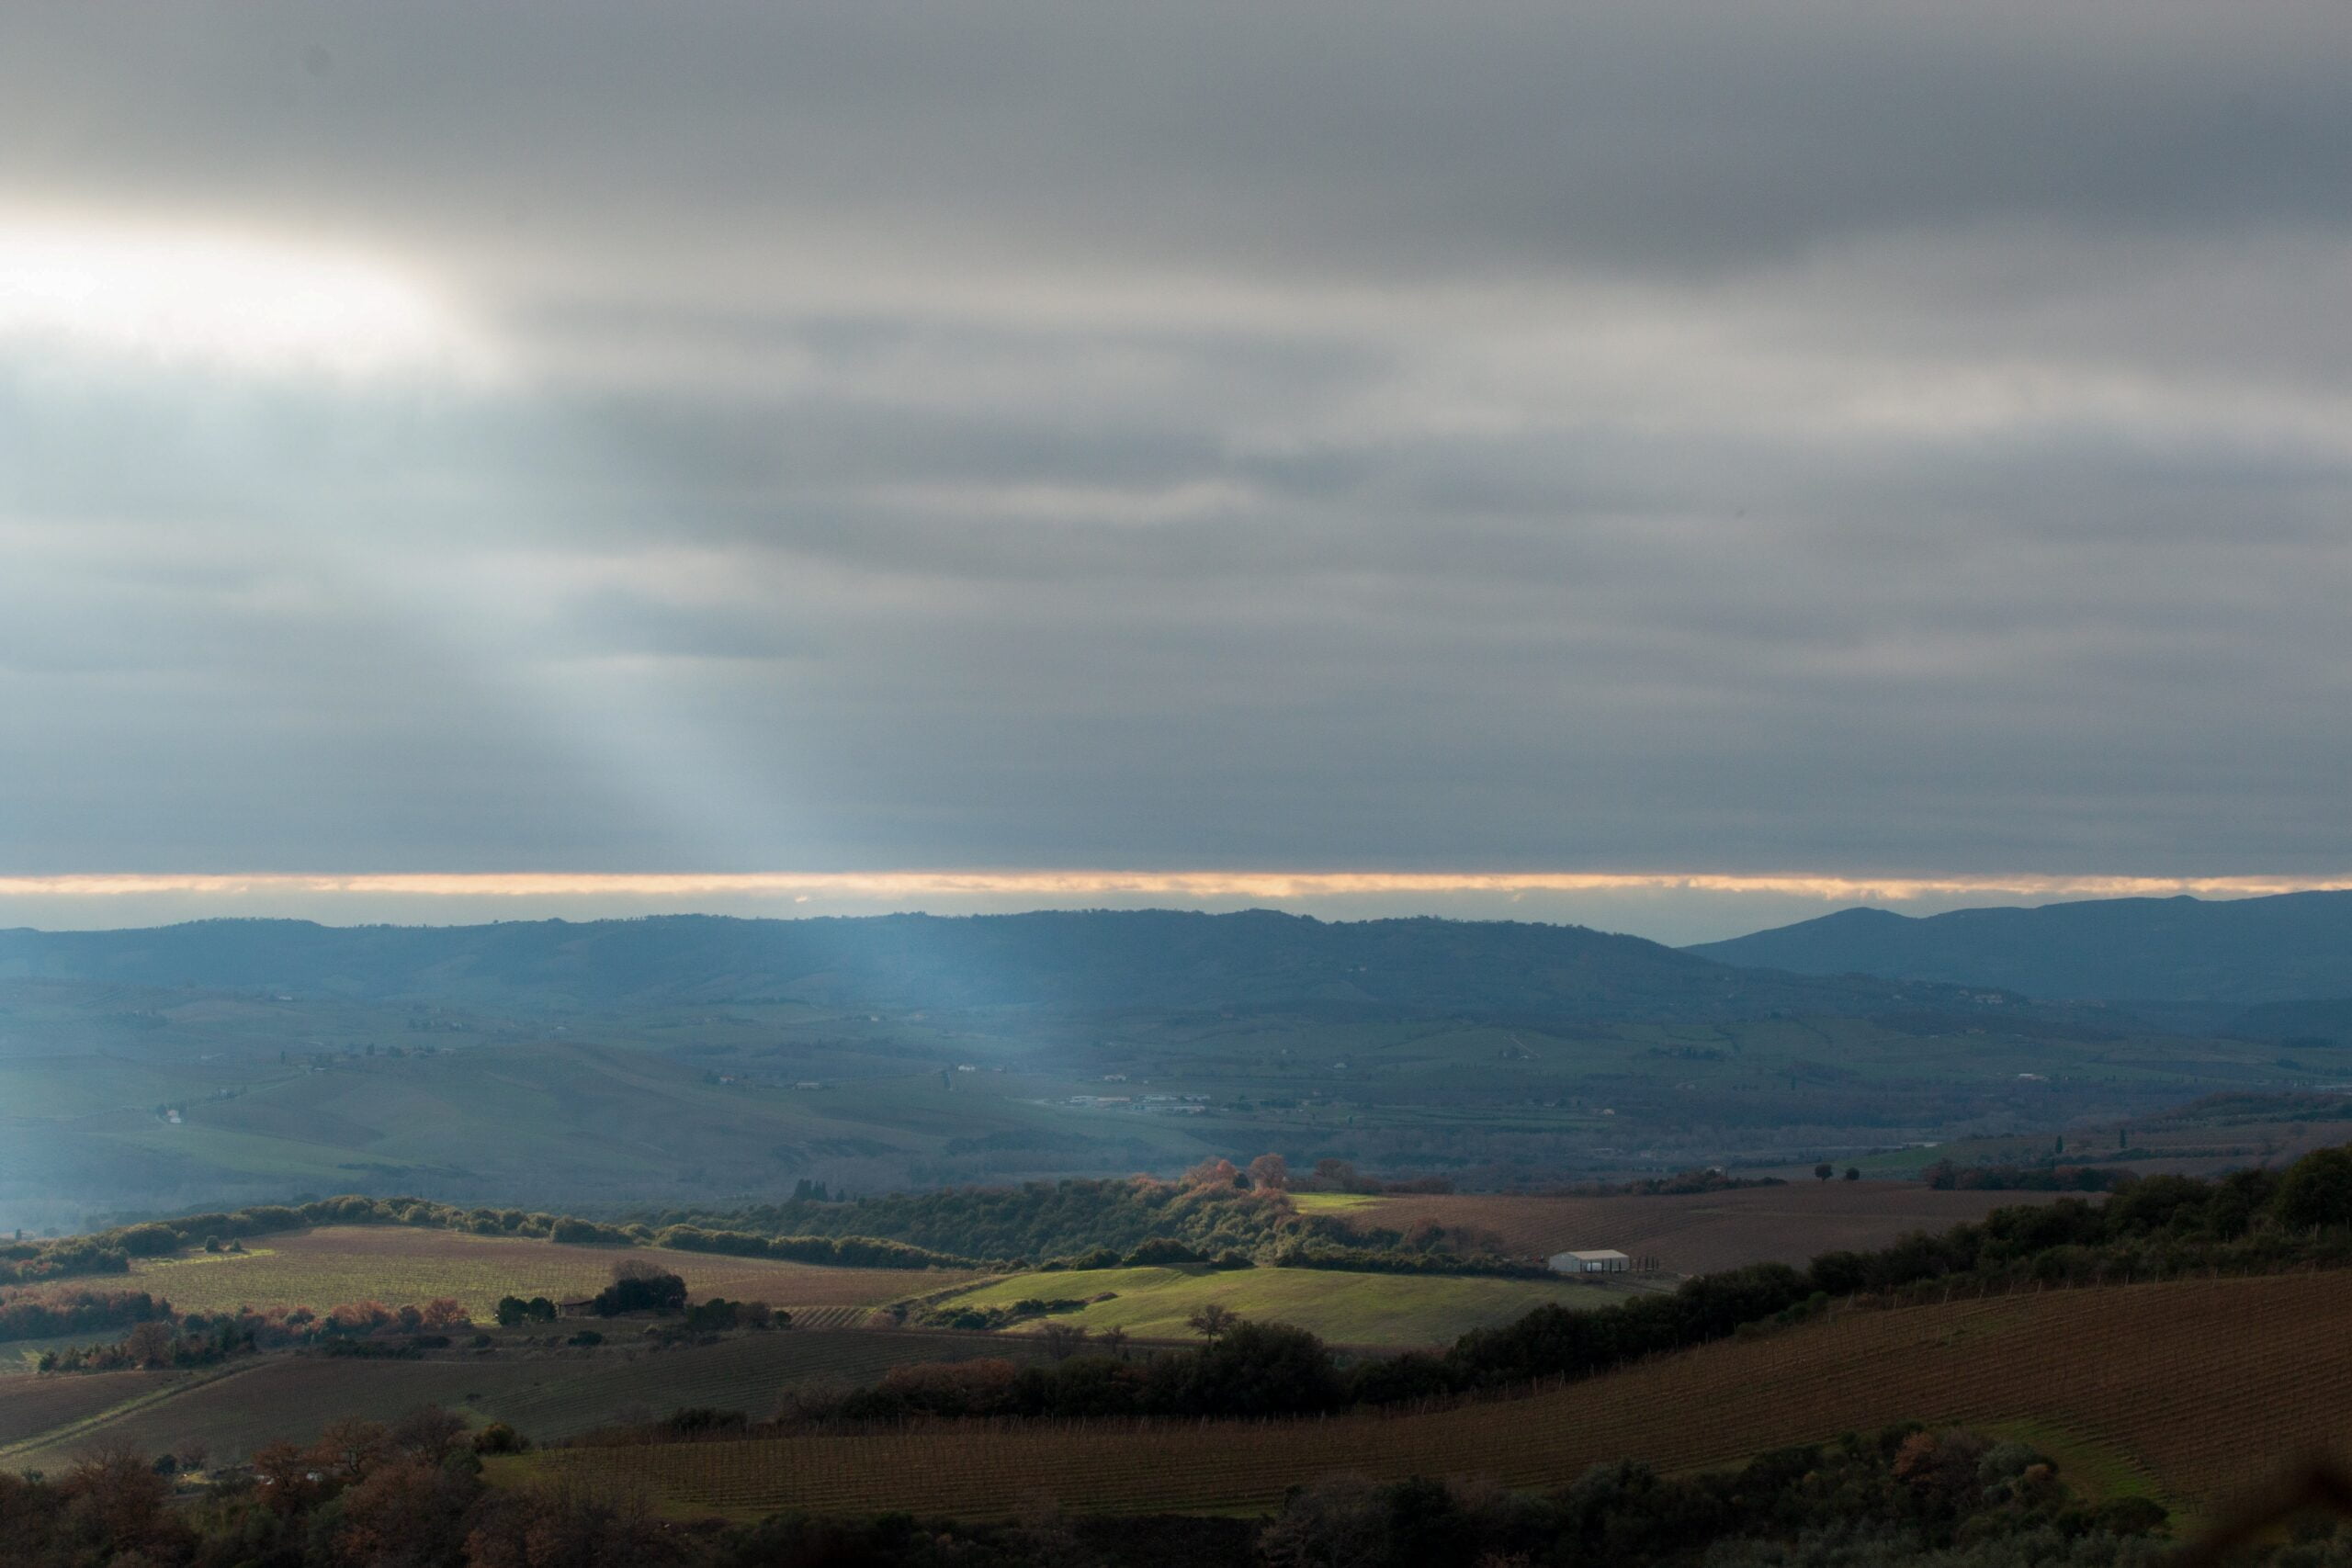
[1345, 1308]
[1333, 1203]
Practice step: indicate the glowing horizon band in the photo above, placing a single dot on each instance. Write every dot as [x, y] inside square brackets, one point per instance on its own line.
[1192, 884]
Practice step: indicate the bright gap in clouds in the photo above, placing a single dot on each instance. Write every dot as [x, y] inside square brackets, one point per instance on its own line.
[227, 301]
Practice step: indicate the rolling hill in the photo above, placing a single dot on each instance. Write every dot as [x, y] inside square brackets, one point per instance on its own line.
[2196, 1389]
[1087, 961]
[2225, 954]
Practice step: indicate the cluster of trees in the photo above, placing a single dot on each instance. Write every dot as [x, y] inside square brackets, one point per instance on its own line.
[200, 1339]
[1040, 1219]
[1696, 1180]
[1905, 1494]
[43, 1314]
[36, 1262]
[367, 1494]
[840, 1251]
[514, 1312]
[1218, 1211]
[640, 1286]
[718, 1315]
[1945, 1177]
[1244, 1369]
[411, 1494]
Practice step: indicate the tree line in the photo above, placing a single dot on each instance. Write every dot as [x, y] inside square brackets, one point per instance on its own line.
[412, 1492]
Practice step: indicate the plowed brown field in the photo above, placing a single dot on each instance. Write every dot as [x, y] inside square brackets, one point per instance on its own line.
[1703, 1232]
[2205, 1386]
[547, 1396]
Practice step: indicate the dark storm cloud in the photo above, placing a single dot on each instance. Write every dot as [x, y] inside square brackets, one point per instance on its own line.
[1480, 436]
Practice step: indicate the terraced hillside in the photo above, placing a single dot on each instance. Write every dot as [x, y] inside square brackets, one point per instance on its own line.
[396, 1265]
[1694, 1234]
[2201, 1388]
[548, 1395]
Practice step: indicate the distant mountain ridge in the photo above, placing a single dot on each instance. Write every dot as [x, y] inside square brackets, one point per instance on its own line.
[1082, 960]
[2234, 952]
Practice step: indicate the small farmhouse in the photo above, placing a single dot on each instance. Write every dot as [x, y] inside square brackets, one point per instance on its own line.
[1604, 1262]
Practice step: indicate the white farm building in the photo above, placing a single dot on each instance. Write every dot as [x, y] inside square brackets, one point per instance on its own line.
[1604, 1262]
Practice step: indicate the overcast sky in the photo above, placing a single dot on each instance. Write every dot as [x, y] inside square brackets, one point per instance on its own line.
[1780, 438]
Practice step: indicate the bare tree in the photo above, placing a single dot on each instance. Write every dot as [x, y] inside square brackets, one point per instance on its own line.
[1115, 1342]
[1063, 1339]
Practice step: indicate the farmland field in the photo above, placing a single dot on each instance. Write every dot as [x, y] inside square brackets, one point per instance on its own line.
[1693, 1234]
[30, 1406]
[2198, 1390]
[1345, 1308]
[398, 1265]
[548, 1396]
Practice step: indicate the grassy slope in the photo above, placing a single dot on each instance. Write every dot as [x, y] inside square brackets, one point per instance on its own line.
[2198, 1390]
[1348, 1309]
[399, 1266]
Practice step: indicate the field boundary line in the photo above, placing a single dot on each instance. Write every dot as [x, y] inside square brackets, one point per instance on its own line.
[136, 1403]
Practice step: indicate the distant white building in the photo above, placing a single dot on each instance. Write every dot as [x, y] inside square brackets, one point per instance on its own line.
[1601, 1262]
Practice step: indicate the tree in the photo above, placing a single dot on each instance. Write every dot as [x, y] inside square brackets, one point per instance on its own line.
[1339, 1520]
[1219, 1172]
[1824, 1171]
[1251, 1370]
[2317, 1190]
[1338, 1175]
[1853, 1173]
[513, 1310]
[641, 1286]
[546, 1526]
[1115, 1342]
[428, 1433]
[1212, 1319]
[150, 1344]
[1063, 1339]
[1270, 1171]
[128, 1506]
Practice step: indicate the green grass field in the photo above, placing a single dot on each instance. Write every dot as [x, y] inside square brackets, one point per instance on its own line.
[399, 1266]
[1347, 1309]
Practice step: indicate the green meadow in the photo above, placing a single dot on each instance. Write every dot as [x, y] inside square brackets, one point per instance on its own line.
[1345, 1308]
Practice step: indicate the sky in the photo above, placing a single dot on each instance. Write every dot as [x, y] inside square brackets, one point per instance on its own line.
[1675, 467]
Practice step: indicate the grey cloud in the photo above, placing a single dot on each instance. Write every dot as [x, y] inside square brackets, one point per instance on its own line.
[1487, 438]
